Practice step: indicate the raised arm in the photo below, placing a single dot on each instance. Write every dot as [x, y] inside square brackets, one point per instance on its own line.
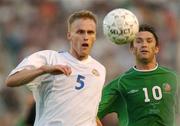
[25, 76]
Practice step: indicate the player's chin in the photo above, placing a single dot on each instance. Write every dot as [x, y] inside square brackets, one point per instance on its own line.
[145, 60]
[144, 56]
[84, 53]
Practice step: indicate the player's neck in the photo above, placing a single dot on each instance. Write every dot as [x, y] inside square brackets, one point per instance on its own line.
[78, 57]
[146, 66]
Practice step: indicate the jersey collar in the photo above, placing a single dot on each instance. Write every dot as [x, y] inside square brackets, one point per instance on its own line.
[68, 55]
[146, 70]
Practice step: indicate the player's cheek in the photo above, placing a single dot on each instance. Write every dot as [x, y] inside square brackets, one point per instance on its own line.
[93, 40]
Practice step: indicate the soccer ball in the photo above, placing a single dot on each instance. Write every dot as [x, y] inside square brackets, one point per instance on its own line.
[120, 26]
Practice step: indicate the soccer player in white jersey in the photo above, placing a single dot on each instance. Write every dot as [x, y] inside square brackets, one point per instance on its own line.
[66, 85]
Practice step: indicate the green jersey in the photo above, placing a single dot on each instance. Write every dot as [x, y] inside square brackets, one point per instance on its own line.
[142, 98]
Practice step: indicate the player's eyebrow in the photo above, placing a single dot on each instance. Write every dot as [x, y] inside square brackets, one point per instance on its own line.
[91, 31]
[139, 38]
[83, 31]
[80, 31]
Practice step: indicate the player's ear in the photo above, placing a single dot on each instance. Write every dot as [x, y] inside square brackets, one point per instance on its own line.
[68, 35]
[157, 49]
[131, 48]
[95, 37]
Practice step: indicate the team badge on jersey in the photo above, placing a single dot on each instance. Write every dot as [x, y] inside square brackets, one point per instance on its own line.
[167, 87]
[95, 72]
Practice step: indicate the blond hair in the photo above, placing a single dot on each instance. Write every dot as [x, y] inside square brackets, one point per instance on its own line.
[83, 14]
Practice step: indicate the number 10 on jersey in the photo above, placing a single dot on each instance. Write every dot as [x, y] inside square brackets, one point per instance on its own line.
[156, 92]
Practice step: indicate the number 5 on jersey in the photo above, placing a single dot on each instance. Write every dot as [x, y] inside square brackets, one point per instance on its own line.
[80, 81]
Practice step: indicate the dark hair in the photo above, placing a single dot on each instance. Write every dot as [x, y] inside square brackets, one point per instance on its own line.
[149, 28]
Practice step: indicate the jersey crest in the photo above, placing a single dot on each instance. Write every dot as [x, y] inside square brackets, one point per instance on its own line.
[95, 72]
[167, 87]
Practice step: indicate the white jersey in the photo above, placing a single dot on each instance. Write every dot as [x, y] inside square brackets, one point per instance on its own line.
[65, 100]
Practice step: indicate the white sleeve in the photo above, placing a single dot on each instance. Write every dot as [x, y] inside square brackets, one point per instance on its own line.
[35, 60]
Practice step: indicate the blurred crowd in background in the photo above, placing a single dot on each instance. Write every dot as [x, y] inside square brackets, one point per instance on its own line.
[27, 26]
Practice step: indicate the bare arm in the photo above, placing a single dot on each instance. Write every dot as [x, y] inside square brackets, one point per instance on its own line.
[98, 122]
[25, 76]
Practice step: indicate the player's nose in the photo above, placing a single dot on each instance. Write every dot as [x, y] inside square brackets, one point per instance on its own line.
[144, 43]
[85, 36]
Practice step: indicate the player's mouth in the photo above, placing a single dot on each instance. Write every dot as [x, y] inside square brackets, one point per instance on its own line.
[144, 51]
[85, 45]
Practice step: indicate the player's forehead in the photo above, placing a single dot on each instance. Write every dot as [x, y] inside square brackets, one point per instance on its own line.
[144, 35]
[83, 23]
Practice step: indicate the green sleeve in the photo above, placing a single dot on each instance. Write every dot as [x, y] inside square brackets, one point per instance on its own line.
[109, 98]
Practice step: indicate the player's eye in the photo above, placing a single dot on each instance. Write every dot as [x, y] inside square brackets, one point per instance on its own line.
[149, 40]
[139, 40]
[80, 31]
[90, 32]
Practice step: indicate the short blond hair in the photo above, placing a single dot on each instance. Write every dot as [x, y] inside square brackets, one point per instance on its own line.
[83, 14]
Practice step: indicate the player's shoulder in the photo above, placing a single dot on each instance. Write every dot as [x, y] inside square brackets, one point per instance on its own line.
[46, 55]
[45, 52]
[119, 77]
[125, 75]
[166, 70]
[97, 63]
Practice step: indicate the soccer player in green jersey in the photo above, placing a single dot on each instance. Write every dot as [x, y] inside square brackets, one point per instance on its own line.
[145, 95]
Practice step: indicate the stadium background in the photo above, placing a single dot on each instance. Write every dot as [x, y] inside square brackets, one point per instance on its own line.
[27, 26]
